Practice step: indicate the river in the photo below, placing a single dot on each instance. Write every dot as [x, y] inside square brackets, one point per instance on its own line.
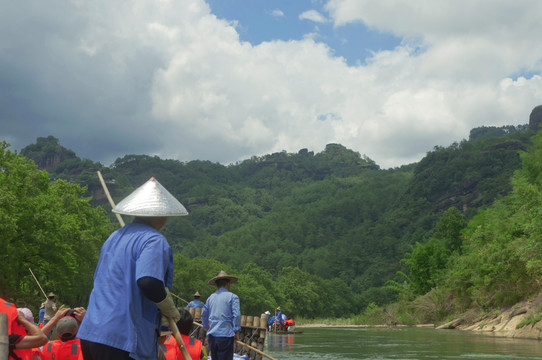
[395, 344]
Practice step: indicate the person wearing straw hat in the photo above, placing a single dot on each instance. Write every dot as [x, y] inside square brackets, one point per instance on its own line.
[196, 303]
[221, 317]
[132, 280]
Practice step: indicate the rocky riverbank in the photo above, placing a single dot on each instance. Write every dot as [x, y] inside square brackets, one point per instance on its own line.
[522, 320]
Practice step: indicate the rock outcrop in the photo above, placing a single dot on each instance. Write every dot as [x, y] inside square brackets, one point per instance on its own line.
[535, 119]
[506, 322]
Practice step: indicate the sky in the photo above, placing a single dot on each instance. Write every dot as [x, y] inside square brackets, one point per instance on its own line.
[225, 80]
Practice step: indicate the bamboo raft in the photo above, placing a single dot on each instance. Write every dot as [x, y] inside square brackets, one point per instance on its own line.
[253, 332]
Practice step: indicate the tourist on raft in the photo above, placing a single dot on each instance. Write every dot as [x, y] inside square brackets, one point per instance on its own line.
[132, 281]
[194, 346]
[68, 347]
[23, 335]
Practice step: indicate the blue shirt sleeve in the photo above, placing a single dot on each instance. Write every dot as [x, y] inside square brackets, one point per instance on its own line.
[236, 313]
[205, 317]
[153, 259]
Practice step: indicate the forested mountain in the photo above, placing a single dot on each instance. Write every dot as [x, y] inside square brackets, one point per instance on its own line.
[333, 216]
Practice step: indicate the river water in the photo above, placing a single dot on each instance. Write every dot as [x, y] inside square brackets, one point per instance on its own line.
[401, 343]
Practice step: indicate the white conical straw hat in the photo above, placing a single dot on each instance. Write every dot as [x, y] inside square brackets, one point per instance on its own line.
[150, 199]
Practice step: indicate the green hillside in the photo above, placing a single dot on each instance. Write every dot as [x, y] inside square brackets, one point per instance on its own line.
[322, 233]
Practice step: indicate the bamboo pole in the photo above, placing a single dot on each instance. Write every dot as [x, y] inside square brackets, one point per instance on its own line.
[180, 342]
[254, 349]
[34, 276]
[4, 338]
[111, 202]
[180, 298]
[246, 345]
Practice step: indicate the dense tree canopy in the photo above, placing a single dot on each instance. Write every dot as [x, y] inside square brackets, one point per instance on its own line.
[318, 234]
[49, 227]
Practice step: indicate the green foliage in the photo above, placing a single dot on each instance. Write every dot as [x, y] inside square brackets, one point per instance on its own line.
[48, 227]
[529, 320]
[312, 226]
[425, 264]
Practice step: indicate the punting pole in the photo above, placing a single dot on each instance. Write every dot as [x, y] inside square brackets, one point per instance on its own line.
[254, 349]
[37, 282]
[111, 202]
[177, 335]
[4, 338]
[246, 345]
[172, 324]
[179, 298]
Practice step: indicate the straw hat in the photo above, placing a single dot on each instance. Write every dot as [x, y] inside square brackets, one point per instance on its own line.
[150, 199]
[197, 294]
[222, 275]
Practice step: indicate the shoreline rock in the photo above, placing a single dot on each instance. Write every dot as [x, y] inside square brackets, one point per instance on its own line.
[504, 323]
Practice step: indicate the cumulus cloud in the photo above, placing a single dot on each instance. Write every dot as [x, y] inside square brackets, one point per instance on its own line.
[169, 78]
[312, 15]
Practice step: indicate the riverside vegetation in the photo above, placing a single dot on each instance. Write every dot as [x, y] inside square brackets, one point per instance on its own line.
[322, 235]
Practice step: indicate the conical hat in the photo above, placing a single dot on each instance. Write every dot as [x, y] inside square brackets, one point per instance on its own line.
[197, 294]
[222, 275]
[150, 199]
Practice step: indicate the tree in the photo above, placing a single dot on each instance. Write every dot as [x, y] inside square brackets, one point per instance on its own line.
[48, 227]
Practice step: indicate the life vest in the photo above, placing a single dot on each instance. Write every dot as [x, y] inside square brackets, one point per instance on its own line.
[62, 350]
[14, 327]
[289, 322]
[170, 351]
[193, 346]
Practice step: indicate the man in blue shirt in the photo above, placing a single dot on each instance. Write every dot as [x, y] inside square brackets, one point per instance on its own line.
[196, 303]
[221, 318]
[132, 281]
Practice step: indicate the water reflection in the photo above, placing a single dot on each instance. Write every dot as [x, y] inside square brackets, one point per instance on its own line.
[278, 342]
[402, 343]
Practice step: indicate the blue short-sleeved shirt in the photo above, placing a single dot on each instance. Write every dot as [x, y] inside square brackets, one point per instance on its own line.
[118, 314]
[196, 303]
[221, 314]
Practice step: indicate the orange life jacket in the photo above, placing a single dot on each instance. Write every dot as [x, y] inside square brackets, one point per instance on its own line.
[62, 350]
[14, 327]
[289, 322]
[193, 346]
[170, 351]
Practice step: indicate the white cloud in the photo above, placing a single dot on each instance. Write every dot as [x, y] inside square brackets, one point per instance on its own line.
[170, 78]
[277, 13]
[312, 15]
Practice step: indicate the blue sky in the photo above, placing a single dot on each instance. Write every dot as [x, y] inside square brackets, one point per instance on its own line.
[261, 20]
[225, 80]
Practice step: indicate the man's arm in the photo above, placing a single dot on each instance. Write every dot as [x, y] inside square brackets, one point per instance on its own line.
[152, 288]
[236, 319]
[34, 338]
[155, 290]
[58, 315]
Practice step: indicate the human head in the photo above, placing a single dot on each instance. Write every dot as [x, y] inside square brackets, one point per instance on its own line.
[27, 314]
[51, 296]
[186, 322]
[197, 295]
[155, 222]
[66, 328]
[222, 279]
